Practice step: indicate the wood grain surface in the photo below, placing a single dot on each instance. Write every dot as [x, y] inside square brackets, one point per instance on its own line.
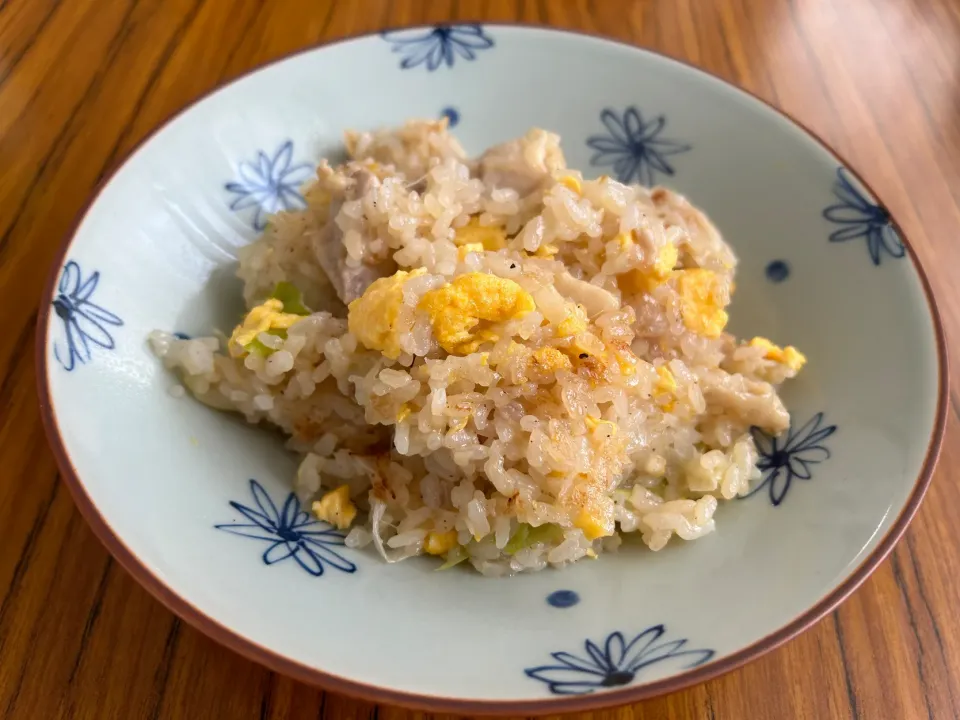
[82, 81]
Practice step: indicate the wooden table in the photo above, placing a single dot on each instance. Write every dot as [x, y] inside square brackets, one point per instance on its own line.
[81, 81]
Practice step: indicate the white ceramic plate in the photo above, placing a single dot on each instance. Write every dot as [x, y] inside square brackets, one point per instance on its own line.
[197, 506]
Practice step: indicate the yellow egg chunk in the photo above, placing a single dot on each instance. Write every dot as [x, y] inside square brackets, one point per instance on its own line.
[550, 360]
[638, 281]
[789, 356]
[571, 183]
[262, 318]
[627, 366]
[372, 316]
[666, 383]
[665, 387]
[665, 262]
[701, 305]
[404, 412]
[458, 307]
[464, 250]
[595, 525]
[546, 251]
[489, 236]
[593, 423]
[335, 508]
[575, 321]
[438, 543]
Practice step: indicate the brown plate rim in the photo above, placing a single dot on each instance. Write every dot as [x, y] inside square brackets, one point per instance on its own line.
[567, 704]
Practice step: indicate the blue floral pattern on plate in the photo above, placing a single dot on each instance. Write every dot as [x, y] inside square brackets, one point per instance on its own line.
[563, 598]
[633, 147]
[439, 45]
[291, 532]
[452, 115]
[777, 271]
[784, 460]
[269, 184]
[85, 323]
[861, 219]
[616, 664]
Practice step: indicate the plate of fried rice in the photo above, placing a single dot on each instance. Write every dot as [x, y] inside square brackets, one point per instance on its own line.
[420, 371]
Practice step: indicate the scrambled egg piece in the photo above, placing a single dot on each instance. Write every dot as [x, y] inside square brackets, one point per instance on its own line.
[700, 303]
[592, 509]
[575, 321]
[789, 356]
[489, 236]
[550, 360]
[625, 358]
[593, 423]
[335, 508]
[546, 251]
[571, 183]
[439, 543]
[666, 383]
[463, 250]
[262, 318]
[624, 240]
[404, 412]
[637, 281]
[458, 307]
[372, 316]
[595, 525]
[665, 387]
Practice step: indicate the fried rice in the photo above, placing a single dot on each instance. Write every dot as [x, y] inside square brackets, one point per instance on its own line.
[494, 360]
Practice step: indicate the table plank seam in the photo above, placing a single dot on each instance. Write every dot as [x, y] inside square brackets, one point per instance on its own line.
[325, 25]
[154, 76]
[711, 713]
[543, 11]
[35, 629]
[955, 405]
[242, 35]
[23, 341]
[912, 620]
[92, 615]
[851, 694]
[814, 62]
[266, 699]
[907, 543]
[26, 554]
[58, 145]
[734, 73]
[8, 70]
[162, 674]
[769, 86]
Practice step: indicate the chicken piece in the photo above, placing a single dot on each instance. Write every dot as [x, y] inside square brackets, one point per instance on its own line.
[754, 402]
[592, 298]
[523, 164]
[349, 280]
[701, 244]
